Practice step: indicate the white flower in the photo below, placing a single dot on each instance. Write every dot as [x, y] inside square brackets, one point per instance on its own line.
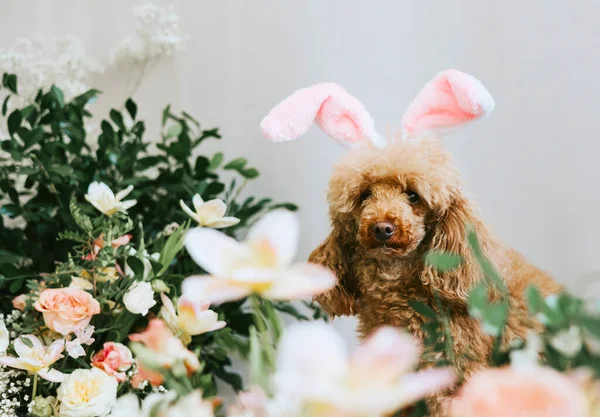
[210, 213]
[568, 342]
[36, 358]
[530, 355]
[145, 260]
[139, 298]
[315, 371]
[190, 319]
[83, 337]
[87, 393]
[81, 283]
[158, 34]
[192, 405]
[129, 405]
[4, 338]
[260, 265]
[170, 228]
[103, 199]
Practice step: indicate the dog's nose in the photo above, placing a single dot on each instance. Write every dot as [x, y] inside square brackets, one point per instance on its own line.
[383, 230]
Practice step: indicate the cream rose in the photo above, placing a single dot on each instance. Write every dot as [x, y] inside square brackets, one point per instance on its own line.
[139, 298]
[87, 393]
[4, 338]
[66, 310]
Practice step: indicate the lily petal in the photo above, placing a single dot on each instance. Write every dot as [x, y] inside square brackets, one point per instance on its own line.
[385, 355]
[301, 281]
[205, 321]
[123, 193]
[17, 363]
[211, 210]
[214, 251]
[51, 375]
[212, 289]
[125, 205]
[280, 228]
[418, 385]
[54, 351]
[223, 222]
[190, 212]
[197, 202]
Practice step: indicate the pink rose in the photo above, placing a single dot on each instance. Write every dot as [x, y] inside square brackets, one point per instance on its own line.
[525, 392]
[114, 359]
[66, 309]
[20, 301]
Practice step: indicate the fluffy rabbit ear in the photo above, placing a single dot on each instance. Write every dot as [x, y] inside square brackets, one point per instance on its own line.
[450, 100]
[339, 114]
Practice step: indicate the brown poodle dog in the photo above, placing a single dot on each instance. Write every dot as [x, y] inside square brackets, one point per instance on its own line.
[388, 208]
[390, 204]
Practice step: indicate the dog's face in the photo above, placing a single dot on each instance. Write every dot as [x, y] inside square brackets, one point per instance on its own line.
[389, 198]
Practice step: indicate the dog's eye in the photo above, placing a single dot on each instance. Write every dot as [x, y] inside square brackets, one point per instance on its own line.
[413, 197]
[364, 195]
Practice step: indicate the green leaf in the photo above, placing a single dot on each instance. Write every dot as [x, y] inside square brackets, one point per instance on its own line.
[592, 325]
[10, 81]
[136, 265]
[14, 121]
[117, 119]
[174, 129]
[216, 160]
[535, 301]
[26, 341]
[249, 173]
[423, 309]
[237, 164]
[166, 114]
[443, 261]
[131, 108]
[5, 105]
[10, 210]
[58, 96]
[81, 219]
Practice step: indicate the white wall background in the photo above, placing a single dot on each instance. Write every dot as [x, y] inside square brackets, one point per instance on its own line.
[533, 166]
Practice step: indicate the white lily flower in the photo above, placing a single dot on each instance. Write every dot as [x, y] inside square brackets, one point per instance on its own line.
[102, 198]
[260, 265]
[190, 318]
[36, 358]
[315, 371]
[210, 213]
[83, 337]
[4, 338]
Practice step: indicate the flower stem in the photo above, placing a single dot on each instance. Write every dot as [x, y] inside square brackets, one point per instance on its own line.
[34, 390]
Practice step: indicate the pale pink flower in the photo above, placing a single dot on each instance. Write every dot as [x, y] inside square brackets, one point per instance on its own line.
[114, 359]
[163, 349]
[36, 358]
[20, 302]
[66, 310]
[99, 244]
[260, 265]
[525, 392]
[315, 370]
[82, 337]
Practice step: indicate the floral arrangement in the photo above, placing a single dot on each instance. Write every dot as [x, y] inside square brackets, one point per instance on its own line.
[131, 273]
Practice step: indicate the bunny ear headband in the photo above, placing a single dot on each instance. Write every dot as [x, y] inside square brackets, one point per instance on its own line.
[449, 100]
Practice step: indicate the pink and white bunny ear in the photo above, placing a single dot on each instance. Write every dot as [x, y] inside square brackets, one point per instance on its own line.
[336, 112]
[450, 100]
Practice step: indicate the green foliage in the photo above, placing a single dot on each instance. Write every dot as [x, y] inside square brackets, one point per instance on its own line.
[563, 316]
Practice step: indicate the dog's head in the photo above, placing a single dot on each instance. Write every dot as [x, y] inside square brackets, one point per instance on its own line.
[391, 197]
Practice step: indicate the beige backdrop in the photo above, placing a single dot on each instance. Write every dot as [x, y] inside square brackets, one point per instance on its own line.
[533, 166]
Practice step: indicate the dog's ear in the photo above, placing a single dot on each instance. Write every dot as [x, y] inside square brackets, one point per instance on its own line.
[342, 300]
[450, 100]
[449, 235]
[338, 113]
